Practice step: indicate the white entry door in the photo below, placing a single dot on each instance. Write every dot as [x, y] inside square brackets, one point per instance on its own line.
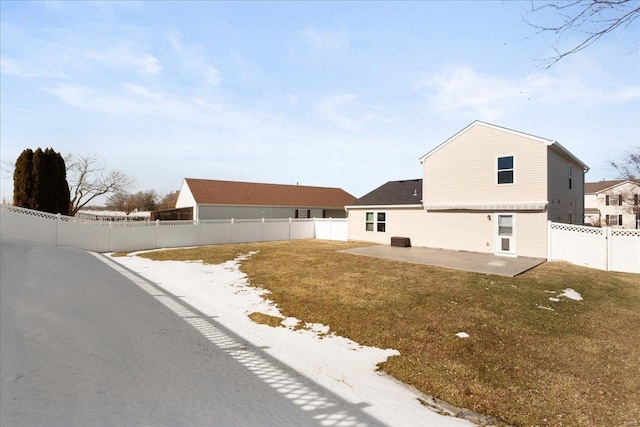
[505, 233]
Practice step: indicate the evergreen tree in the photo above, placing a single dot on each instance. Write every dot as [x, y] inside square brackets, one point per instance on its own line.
[40, 181]
[23, 179]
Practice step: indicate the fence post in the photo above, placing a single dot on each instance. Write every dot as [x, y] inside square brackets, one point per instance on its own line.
[290, 225]
[233, 237]
[262, 231]
[549, 246]
[607, 243]
[58, 222]
[157, 232]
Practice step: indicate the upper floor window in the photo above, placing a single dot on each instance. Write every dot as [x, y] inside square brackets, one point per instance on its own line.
[570, 177]
[614, 200]
[505, 170]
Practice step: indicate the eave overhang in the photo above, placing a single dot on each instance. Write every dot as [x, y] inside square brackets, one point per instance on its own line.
[493, 207]
[378, 207]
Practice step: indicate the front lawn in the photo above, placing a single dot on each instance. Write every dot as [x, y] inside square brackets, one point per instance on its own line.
[528, 360]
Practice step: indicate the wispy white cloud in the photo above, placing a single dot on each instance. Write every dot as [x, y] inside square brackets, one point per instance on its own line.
[134, 100]
[53, 4]
[128, 99]
[128, 58]
[325, 39]
[173, 38]
[463, 93]
[28, 68]
[343, 111]
[193, 59]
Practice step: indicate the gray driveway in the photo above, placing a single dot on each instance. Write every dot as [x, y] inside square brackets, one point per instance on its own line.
[457, 260]
[80, 344]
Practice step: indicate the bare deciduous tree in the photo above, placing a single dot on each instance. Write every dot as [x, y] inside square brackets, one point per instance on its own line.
[629, 166]
[588, 19]
[169, 200]
[88, 179]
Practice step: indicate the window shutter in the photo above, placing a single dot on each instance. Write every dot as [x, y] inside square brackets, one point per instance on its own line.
[620, 220]
[635, 199]
[297, 213]
[607, 200]
[619, 199]
[607, 220]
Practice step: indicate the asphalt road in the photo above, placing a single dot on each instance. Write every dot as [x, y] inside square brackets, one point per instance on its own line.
[81, 344]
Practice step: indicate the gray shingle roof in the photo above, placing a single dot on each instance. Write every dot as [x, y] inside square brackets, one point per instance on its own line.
[406, 192]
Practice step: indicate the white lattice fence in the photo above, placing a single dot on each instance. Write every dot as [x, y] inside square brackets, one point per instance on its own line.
[602, 248]
[624, 250]
[105, 236]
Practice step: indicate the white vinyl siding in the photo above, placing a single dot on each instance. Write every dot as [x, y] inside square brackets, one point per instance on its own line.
[464, 170]
[466, 231]
[251, 212]
[564, 202]
[185, 197]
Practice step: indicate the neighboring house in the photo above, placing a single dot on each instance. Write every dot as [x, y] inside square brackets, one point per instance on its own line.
[204, 199]
[612, 203]
[485, 189]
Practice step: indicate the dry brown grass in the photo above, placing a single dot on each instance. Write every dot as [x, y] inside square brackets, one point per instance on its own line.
[523, 365]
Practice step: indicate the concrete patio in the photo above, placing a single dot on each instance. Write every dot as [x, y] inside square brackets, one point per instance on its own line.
[457, 260]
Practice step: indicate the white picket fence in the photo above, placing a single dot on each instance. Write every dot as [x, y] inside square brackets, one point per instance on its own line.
[612, 249]
[106, 236]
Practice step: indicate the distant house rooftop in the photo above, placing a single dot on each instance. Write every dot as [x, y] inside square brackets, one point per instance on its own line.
[597, 187]
[405, 192]
[215, 192]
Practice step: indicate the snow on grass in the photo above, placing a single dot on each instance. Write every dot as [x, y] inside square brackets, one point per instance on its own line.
[571, 294]
[343, 366]
[567, 293]
[462, 335]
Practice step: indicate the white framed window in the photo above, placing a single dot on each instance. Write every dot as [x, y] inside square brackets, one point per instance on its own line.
[506, 170]
[303, 213]
[376, 221]
[613, 200]
[381, 223]
[369, 221]
[614, 220]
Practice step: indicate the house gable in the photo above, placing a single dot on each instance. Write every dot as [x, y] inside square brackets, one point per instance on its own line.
[604, 186]
[185, 197]
[465, 171]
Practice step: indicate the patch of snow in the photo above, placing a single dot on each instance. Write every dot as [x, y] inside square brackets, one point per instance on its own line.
[554, 299]
[462, 335]
[545, 308]
[290, 322]
[342, 366]
[571, 294]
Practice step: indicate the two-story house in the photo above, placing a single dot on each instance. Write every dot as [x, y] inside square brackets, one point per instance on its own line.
[613, 203]
[485, 189]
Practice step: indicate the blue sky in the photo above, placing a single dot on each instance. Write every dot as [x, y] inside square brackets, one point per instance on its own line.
[333, 94]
